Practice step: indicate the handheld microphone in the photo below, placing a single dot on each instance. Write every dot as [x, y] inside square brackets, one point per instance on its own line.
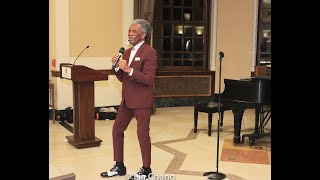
[79, 55]
[118, 57]
[221, 54]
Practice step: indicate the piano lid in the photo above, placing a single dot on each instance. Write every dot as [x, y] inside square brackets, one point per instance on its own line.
[255, 90]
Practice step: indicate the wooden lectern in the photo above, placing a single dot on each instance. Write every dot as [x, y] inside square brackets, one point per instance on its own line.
[83, 103]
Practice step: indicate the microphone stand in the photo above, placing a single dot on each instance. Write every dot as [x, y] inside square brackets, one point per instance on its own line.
[217, 175]
[79, 55]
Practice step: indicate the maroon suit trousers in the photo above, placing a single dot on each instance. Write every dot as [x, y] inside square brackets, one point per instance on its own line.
[124, 117]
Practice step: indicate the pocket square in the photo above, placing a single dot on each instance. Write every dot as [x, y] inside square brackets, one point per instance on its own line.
[137, 59]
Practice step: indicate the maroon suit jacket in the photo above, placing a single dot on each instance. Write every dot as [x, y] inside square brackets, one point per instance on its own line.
[137, 90]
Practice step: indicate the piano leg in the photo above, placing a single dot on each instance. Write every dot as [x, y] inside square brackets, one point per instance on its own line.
[221, 121]
[260, 122]
[257, 126]
[238, 114]
[258, 112]
[195, 117]
[209, 123]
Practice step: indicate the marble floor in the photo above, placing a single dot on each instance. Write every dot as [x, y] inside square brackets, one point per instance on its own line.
[177, 152]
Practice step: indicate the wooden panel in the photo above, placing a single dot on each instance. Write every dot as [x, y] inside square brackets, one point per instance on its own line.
[52, 100]
[261, 71]
[183, 86]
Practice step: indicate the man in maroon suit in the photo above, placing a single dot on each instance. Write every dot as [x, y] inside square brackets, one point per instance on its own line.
[136, 70]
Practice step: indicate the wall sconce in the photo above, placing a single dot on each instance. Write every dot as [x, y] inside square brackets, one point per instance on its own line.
[199, 30]
[266, 33]
[187, 16]
[179, 29]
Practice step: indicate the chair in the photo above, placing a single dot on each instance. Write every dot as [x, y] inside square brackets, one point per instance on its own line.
[51, 100]
[208, 107]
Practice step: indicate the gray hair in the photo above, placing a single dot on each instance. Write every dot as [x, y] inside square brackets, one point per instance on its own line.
[145, 27]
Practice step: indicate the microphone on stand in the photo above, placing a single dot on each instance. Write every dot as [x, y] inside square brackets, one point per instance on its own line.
[79, 55]
[218, 175]
[118, 57]
[221, 54]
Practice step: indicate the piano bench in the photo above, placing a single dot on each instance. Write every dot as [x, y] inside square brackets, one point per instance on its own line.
[210, 107]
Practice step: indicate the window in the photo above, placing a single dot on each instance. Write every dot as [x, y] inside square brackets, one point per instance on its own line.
[264, 33]
[181, 34]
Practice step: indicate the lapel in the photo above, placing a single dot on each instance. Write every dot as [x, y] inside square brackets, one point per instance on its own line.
[138, 53]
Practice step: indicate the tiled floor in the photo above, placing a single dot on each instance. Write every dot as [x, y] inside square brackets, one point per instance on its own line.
[177, 152]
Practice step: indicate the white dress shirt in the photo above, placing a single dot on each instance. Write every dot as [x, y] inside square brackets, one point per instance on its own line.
[132, 54]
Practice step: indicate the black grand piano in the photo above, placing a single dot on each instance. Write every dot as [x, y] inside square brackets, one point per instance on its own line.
[243, 94]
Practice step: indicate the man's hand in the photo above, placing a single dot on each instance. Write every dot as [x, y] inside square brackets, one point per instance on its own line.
[123, 64]
[114, 58]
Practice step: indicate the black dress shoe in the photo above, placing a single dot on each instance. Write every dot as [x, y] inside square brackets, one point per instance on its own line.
[115, 171]
[142, 174]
